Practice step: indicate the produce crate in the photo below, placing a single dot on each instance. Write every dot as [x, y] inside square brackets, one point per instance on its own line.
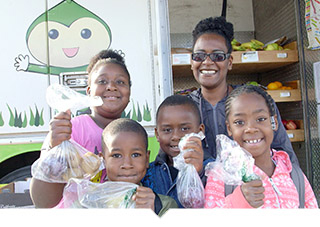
[293, 95]
[296, 135]
[244, 62]
[263, 61]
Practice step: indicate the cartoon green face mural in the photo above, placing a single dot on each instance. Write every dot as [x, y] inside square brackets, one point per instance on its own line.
[70, 33]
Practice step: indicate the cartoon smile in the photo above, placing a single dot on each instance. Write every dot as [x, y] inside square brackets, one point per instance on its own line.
[70, 52]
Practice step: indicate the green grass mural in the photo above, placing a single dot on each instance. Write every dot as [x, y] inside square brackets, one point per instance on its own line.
[139, 117]
[36, 119]
[16, 119]
[146, 112]
[137, 113]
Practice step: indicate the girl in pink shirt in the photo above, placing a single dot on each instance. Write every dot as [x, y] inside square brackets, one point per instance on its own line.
[108, 77]
[251, 121]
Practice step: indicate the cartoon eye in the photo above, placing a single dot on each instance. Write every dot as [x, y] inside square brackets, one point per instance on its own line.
[53, 33]
[86, 33]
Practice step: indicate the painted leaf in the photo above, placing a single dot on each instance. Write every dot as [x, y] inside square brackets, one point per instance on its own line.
[146, 113]
[1, 120]
[11, 121]
[134, 114]
[37, 118]
[19, 121]
[25, 121]
[128, 115]
[41, 118]
[139, 118]
[15, 118]
[31, 121]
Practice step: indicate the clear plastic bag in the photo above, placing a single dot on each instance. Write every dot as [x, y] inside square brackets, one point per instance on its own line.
[65, 161]
[62, 98]
[68, 159]
[86, 194]
[233, 164]
[189, 185]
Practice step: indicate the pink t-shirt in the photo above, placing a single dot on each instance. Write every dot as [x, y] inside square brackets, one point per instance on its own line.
[86, 133]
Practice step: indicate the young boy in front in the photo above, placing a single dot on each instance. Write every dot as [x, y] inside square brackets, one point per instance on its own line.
[176, 116]
[126, 158]
[124, 147]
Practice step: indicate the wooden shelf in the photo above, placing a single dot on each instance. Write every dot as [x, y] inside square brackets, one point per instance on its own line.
[261, 61]
[293, 95]
[296, 135]
[268, 61]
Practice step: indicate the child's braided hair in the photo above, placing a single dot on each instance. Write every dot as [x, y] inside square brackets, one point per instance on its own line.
[217, 25]
[247, 89]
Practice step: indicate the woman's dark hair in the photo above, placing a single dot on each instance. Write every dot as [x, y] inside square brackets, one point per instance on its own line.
[217, 25]
[124, 125]
[247, 89]
[107, 56]
[177, 100]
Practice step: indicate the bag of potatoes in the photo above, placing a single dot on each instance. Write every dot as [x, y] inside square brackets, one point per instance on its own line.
[68, 159]
[65, 161]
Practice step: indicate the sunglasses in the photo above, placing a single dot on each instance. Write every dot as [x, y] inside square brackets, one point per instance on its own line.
[216, 57]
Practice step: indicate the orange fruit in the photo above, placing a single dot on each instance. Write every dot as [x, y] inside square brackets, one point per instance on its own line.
[278, 83]
[272, 86]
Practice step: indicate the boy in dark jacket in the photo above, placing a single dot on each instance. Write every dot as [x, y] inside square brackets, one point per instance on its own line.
[176, 116]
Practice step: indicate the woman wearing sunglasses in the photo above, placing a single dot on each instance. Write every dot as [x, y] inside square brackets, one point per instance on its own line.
[211, 61]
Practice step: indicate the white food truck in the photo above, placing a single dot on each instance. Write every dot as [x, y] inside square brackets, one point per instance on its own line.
[46, 42]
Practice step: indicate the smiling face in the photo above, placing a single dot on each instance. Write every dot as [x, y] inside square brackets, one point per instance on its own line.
[249, 124]
[69, 46]
[211, 74]
[126, 157]
[111, 83]
[173, 123]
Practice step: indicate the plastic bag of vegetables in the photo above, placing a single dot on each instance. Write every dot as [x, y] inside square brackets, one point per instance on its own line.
[189, 185]
[68, 159]
[82, 193]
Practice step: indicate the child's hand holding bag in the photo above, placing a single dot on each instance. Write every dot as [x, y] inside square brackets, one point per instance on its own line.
[82, 193]
[233, 165]
[189, 185]
[68, 159]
